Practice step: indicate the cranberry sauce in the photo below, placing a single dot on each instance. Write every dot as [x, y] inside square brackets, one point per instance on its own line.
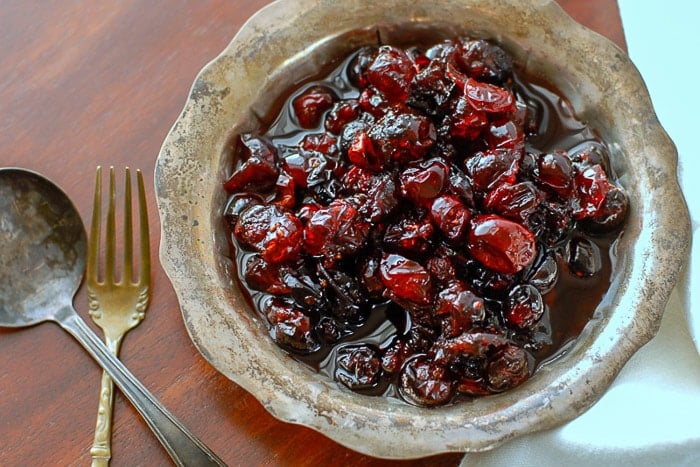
[425, 224]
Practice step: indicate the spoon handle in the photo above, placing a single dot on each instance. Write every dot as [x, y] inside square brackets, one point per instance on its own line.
[183, 447]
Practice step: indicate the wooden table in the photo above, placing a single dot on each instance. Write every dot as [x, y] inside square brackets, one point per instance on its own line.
[100, 83]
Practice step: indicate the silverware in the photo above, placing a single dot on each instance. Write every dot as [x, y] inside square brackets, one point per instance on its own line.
[42, 260]
[116, 305]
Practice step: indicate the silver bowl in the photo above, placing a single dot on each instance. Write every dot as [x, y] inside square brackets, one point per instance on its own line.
[292, 39]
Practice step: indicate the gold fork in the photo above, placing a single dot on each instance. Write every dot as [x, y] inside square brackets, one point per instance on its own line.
[116, 305]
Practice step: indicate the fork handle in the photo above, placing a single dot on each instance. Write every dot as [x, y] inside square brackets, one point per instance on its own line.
[101, 450]
[184, 448]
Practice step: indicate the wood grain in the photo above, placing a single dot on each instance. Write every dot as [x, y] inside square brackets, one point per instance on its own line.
[100, 83]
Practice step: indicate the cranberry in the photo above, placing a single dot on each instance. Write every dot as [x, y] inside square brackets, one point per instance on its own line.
[358, 367]
[308, 168]
[421, 183]
[391, 73]
[489, 98]
[500, 244]
[310, 105]
[425, 383]
[263, 276]
[361, 153]
[373, 102]
[406, 279]
[409, 235]
[505, 133]
[290, 326]
[403, 136]
[545, 275]
[285, 191]
[341, 114]
[583, 257]
[591, 188]
[236, 205]
[259, 170]
[459, 308]
[525, 306]
[485, 61]
[395, 356]
[347, 301]
[451, 216]
[464, 121]
[471, 344]
[335, 231]
[516, 202]
[430, 90]
[441, 269]
[324, 143]
[611, 214]
[357, 71]
[380, 191]
[556, 173]
[271, 231]
[494, 167]
[508, 368]
[369, 275]
[460, 186]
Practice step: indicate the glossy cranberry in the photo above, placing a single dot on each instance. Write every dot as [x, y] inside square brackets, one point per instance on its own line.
[400, 136]
[373, 102]
[583, 257]
[406, 279]
[358, 367]
[485, 61]
[236, 205]
[516, 202]
[391, 73]
[335, 231]
[450, 216]
[361, 153]
[263, 276]
[291, 328]
[501, 244]
[431, 90]
[271, 231]
[459, 308]
[556, 173]
[285, 191]
[544, 276]
[489, 98]
[505, 133]
[425, 383]
[509, 367]
[370, 276]
[611, 214]
[259, 169]
[357, 71]
[422, 182]
[461, 186]
[409, 235]
[347, 301]
[525, 306]
[395, 356]
[341, 114]
[324, 143]
[441, 269]
[380, 191]
[494, 167]
[464, 121]
[310, 105]
[474, 343]
[591, 190]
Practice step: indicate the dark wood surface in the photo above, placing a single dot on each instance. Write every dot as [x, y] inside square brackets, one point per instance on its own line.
[100, 83]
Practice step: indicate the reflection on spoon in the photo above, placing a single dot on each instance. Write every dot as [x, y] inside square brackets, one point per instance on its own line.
[42, 261]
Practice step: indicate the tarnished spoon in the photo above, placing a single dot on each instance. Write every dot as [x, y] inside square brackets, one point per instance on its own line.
[42, 261]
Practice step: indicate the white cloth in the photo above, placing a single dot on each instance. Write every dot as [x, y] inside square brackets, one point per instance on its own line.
[651, 414]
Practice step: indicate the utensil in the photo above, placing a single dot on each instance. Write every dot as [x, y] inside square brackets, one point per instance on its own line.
[42, 260]
[116, 305]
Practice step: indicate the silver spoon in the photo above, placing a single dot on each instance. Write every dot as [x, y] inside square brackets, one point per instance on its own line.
[42, 261]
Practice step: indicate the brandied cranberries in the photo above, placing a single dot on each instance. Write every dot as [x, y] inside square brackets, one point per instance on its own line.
[409, 226]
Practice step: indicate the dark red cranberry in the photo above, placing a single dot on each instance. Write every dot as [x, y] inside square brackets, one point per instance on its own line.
[422, 182]
[347, 301]
[358, 367]
[525, 306]
[583, 257]
[335, 231]
[395, 356]
[271, 231]
[505, 133]
[516, 202]
[441, 269]
[555, 172]
[409, 235]
[451, 216]
[460, 185]
[430, 90]
[361, 153]
[291, 328]
[591, 190]
[391, 72]
[357, 70]
[470, 344]
[310, 105]
[489, 98]
[263, 276]
[509, 367]
[406, 279]
[501, 244]
[307, 210]
[544, 276]
[611, 214]
[425, 383]
[494, 167]
[459, 308]
[258, 172]
[236, 205]
[402, 136]
[341, 114]
[324, 143]
[308, 168]
[370, 276]
[373, 102]
[379, 189]
[485, 61]
[285, 188]
[464, 121]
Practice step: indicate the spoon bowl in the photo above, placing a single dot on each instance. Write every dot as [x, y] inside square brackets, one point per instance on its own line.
[42, 262]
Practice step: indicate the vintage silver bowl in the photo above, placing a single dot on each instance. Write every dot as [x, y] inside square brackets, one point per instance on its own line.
[290, 39]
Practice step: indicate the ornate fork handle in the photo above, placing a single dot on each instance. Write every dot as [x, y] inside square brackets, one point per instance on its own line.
[101, 450]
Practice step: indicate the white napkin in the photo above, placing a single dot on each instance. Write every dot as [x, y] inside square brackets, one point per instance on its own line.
[651, 414]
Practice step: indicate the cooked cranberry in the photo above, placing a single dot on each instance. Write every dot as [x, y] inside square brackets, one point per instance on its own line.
[471, 344]
[459, 309]
[263, 276]
[508, 368]
[494, 167]
[611, 214]
[310, 105]
[357, 71]
[347, 137]
[395, 355]
[341, 114]
[584, 257]
[335, 231]
[373, 102]
[361, 153]
[391, 73]
[330, 331]
[591, 189]
[516, 202]
[358, 367]
[308, 168]
[464, 121]
[501, 244]
[505, 133]
[380, 191]
[555, 172]
[259, 170]
[236, 205]
[430, 90]
[406, 278]
[441, 269]
[285, 191]
[488, 97]
[460, 185]
[451, 216]
[346, 299]
[291, 328]
[525, 306]
[422, 182]
[271, 231]
[409, 235]
[425, 383]
[485, 61]
[370, 276]
[544, 276]
[320, 142]
[403, 136]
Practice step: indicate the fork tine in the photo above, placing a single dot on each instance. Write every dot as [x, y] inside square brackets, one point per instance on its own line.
[127, 274]
[94, 242]
[145, 253]
[111, 235]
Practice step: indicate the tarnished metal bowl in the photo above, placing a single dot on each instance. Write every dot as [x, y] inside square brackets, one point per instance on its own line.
[290, 40]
